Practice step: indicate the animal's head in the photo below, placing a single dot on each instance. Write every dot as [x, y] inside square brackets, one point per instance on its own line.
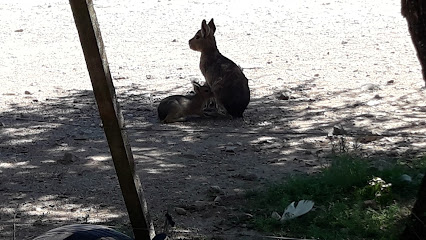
[203, 91]
[204, 40]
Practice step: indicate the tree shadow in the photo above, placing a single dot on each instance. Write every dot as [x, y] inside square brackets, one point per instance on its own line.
[43, 187]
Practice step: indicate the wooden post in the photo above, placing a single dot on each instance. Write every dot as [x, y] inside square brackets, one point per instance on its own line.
[112, 118]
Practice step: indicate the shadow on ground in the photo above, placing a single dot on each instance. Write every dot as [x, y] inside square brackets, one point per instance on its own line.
[55, 166]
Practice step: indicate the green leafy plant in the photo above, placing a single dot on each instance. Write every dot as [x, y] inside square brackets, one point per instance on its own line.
[352, 201]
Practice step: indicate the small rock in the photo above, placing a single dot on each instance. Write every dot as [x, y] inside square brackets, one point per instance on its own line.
[240, 192]
[83, 219]
[174, 40]
[68, 158]
[283, 96]
[217, 199]
[20, 196]
[406, 178]
[344, 42]
[372, 103]
[180, 211]
[370, 87]
[275, 216]
[370, 203]
[217, 190]
[368, 139]
[230, 149]
[27, 93]
[38, 223]
[19, 30]
[202, 205]
[337, 130]
[391, 82]
[247, 176]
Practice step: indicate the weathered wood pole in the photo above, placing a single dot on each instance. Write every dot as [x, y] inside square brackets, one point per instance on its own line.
[415, 13]
[112, 118]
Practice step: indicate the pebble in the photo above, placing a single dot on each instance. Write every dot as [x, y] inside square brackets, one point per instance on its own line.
[337, 130]
[275, 216]
[406, 178]
[202, 205]
[247, 176]
[217, 190]
[283, 96]
[230, 149]
[180, 211]
[68, 158]
[370, 87]
[370, 203]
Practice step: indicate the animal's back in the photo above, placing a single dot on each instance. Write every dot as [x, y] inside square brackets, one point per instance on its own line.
[169, 103]
[230, 85]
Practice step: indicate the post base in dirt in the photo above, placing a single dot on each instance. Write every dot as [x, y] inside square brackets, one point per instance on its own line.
[112, 118]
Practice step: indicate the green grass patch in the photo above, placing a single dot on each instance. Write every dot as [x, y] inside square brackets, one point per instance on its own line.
[352, 201]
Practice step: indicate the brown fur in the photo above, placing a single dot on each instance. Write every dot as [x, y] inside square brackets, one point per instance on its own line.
[226, 79]
[179, 107]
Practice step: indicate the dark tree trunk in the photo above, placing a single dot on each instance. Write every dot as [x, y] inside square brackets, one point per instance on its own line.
[416, 225]
[415, 13]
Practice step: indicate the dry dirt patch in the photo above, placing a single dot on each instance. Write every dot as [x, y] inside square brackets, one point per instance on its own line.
[338, 63]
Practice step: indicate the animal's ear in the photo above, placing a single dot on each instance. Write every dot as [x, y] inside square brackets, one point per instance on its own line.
[212, 26]
[196, 86]
[205, 29]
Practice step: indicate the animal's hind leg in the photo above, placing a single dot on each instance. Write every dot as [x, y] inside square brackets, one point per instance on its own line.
[174, 116]
[215, 109]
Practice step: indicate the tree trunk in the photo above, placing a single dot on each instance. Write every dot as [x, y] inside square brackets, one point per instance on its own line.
[415, 13]
[416, 226]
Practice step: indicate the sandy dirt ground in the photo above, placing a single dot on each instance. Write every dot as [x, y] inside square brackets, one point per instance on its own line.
[311, 65]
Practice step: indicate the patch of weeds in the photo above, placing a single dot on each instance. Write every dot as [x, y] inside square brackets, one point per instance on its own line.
[352, 201]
